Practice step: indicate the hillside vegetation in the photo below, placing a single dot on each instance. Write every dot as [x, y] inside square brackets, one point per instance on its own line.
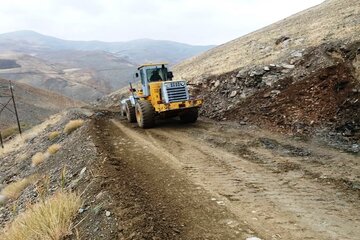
[333, 20]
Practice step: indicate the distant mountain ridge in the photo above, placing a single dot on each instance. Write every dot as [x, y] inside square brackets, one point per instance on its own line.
[137, 51]
[82, 70]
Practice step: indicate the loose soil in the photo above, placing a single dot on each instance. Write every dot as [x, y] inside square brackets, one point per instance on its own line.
[148, 198]
[216, 180]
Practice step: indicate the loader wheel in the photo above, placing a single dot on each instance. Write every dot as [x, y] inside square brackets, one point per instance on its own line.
[145, 114]
[190, 116]
[130, 112]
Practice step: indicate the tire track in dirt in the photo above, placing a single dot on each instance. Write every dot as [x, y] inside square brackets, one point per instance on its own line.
[149, 198]
[270, 192]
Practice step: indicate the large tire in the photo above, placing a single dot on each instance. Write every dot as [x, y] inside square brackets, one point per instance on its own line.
[130, 112]
[190, 116]
[145, 114]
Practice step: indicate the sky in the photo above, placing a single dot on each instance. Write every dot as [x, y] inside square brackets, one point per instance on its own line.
[199, 22]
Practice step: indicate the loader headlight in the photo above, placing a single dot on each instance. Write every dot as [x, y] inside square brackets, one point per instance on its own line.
[182, 84]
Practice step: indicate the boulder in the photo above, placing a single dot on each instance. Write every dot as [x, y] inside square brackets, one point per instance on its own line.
[297, 54]
[275, 92]
[281, 39]
[288, 66]
[253, 238]
[3, 199]
[233, 94]
[107, 213]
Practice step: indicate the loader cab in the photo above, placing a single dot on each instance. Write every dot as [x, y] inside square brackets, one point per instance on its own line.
[149, 73]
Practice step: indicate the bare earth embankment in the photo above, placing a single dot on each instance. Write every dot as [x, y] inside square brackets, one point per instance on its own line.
[299, 76]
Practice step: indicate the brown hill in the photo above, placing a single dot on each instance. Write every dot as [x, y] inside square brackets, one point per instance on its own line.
[332, 20]
[69, 80]
[33, 104]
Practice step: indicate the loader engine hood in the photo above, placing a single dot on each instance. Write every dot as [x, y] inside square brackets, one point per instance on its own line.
[174, 91]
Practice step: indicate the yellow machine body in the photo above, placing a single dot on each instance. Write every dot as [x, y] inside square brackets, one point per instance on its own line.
[158, 96]
[160, 106]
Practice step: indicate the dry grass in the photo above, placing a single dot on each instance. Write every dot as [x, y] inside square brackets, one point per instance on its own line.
[13, 130]
[73, 125]
[333, 20]
[53, 135]
[38, 158]
[19, 141]
[14, 190]
[53, 148]
[50, 220]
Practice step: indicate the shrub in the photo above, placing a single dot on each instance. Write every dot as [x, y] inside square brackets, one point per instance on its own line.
[53, 148]
[38, 158]
[14, 190]
[73, 125]
[53, 135]
[49, 219]
[8, 132]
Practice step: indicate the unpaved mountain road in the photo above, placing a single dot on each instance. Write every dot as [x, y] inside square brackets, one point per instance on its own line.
[215, 180]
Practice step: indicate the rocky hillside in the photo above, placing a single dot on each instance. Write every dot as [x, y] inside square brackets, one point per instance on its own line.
[33, 104]
[299, 76]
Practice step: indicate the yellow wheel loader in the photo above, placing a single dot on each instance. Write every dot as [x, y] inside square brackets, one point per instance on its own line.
[159, 97]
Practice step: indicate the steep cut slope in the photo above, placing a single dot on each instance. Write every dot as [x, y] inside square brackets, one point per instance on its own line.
[33, 104]
[332, 20]
[299, 76]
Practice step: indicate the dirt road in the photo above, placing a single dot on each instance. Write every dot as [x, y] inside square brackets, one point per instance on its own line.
[216, 180]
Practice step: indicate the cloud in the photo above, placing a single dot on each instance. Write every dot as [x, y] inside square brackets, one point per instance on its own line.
[196, 22]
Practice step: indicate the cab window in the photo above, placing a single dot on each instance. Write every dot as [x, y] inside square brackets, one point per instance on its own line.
[156, 74]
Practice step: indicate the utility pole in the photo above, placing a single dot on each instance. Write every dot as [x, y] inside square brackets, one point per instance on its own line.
[1, 141]
[10, 98]
[15, 109]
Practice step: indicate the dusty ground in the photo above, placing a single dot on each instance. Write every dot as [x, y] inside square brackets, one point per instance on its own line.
[210, 180]
[147, 198]
[216, 180]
